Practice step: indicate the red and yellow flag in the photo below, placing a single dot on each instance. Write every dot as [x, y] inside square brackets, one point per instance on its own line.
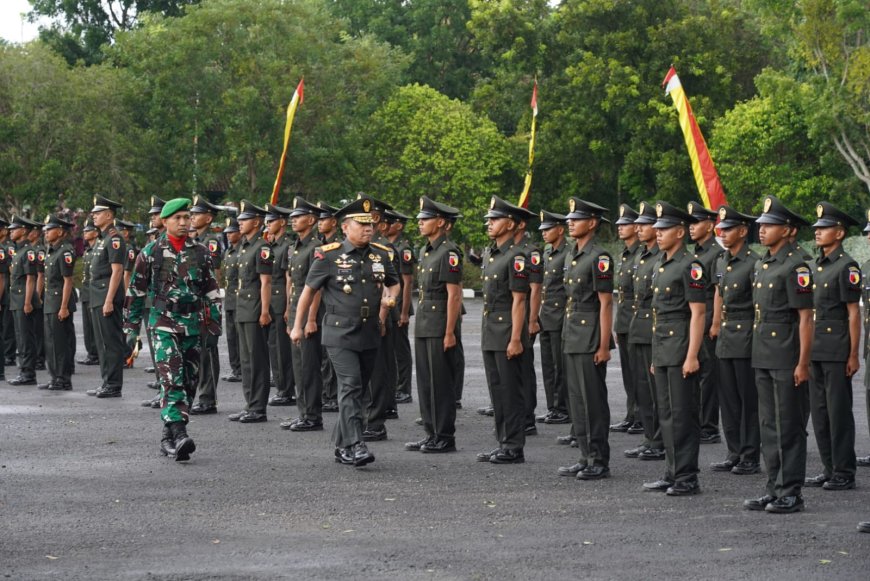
[291, 113]
[706, 177]
[524, 197]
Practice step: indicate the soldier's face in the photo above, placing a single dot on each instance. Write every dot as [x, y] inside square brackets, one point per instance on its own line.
[200, 220]
[773, 234]
[177, 224]
[396, 228]
[701, 230]
[248, 225]
[827, 237]
[497, 227]
[626, 231]
[156, 221]
[276, 227]
[102, 218]
[581, 228]
[234, 237]
[90, 235]
[646, 233]
[429, 226]
[52, 235]
[302, 223]
[17, 234]
[357, 234]
[669, 238]
[732, 236]
[326, 226]
[554, 234]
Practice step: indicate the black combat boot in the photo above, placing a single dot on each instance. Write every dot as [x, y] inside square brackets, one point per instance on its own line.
[167, 442]
[184, 445]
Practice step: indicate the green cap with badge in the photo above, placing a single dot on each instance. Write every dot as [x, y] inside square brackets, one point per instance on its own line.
[174, 206]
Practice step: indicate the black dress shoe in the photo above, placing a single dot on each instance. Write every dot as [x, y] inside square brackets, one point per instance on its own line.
[565, 440]
[155, 403]
[105, 392]
[45, 385]
[415, 446]
[361, 454]
[438, 446]
[344, 456]
[404, 398]
[658, 485]
[60, 386]
[785, 505]
[652, 454]
[287, 424]
[508, 457]
[306, 426]
[232, 378]
[531, 430]
[486, 411]
[148, 402]
[253, 418]
[839, 483]
[391, 415]
[153, 385]
[374, 435]
[198, 409]
[724, 466]
[419, 421]
[572, 470]
[621, 426]
[863, 461]
[744, 468]
[711, 438]
[486, 456]
[816, 481]
[93, 391]
[281, 400]
[864, 527]
[684, 488]
[758, 503]
[149, 369]
[329, 406]
[543, 417]
[594, 472]
[86, 361]
[635, 452]
[558, 418]
[236, 416]
[635, 428]
[22, 381]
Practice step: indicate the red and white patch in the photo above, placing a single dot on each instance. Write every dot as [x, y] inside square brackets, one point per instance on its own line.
[68, 257]
[116, 243]
[213, 246]
[318, 254]
[536, 258]
[265, 253]
[31, 256]
[854, 276]
[603, 263]
[453, 259]
[407, 255]
[803, 277]
[519, 264]
[697, 272]
[2, 254]
[132, 254]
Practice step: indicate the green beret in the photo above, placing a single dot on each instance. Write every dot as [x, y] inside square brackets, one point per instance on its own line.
[174, 206]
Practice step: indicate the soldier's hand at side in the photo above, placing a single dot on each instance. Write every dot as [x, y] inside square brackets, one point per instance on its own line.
[286, 317]
[310, 328]
[534, 327]
[514, 349]
[714, 331]
[296, 335]
[449, 341]
[108, 309]
[690, 366]
[28, 308]
[265, 320]
[382, 327]
[801, 374]
[404, 320]
[601, 356]
[62, 314]
[852, 366]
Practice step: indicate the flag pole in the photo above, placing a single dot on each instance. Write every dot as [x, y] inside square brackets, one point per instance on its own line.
[527, 185]
[298, 96]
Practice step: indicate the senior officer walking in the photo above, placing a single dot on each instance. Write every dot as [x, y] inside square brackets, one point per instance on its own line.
[107, 298]
[834, 358]
[179, 274]
[782, 339]
[678, 304]
[505, 333]
[253, 314]
[436, 328]
[59, 304]
[358, 286]
[732, 329]
[587, 339]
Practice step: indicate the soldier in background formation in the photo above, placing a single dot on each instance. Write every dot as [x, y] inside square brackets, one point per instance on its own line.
[551, 317]
[59, 304]
[327, 232]
[280, 357]
[24, 300]
[624, 286]
[90, 235]
[231, 292]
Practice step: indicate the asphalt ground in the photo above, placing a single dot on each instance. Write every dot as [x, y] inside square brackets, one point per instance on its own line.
[84, 494]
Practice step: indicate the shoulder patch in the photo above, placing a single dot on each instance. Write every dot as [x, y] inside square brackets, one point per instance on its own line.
[116, 243]
[2, 254]
[132, 254]
[854, 276]
[453, 258]
[603, 263]
[407, 255]
[213, 246]
[31, 256]
[68, 257]
[265, 253]
[803, 276]
[519, 264]
[697, 271]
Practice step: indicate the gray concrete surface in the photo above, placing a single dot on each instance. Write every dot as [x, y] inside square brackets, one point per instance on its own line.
[85, 495]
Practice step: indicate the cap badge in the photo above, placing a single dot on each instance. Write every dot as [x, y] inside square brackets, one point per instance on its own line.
[659, 210]
[492, 203]
[621, 211]
[768, 202]
[48, 219]
[572, 203]
[367, 206]
[722, 213]
[642, 207]
[691, 207]
[542, 215]
[295, 202]
[421, 202]
[820, 211]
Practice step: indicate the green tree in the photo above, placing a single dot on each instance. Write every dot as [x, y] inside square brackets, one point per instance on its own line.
[425, 143]
[82, 28]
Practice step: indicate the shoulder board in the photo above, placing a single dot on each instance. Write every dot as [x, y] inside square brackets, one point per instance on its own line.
[331, 246]
[382, 247]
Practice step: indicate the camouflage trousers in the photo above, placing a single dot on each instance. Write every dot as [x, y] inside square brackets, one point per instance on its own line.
[176, 361]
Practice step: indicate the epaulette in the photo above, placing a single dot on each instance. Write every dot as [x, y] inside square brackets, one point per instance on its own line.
[331, 246]
[381, 246]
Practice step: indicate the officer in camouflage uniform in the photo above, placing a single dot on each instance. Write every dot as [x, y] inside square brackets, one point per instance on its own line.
[738, 395]
[202, 214]
[307, 353]
[624, 310]
[782, 340]
[90, 235]
[59, 304]
[107, 298]
[407, 265]
[359, 287]
[23, 299]
[231, 293]
[504, 331]
[678, 304]
[552, 316]
[438, 319]
[327, 232]
[253, 313]
[281, 356]
[178, 272]
[834, 357]
[587, 339]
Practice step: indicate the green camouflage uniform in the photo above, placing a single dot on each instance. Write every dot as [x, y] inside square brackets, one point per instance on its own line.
[180, 282]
